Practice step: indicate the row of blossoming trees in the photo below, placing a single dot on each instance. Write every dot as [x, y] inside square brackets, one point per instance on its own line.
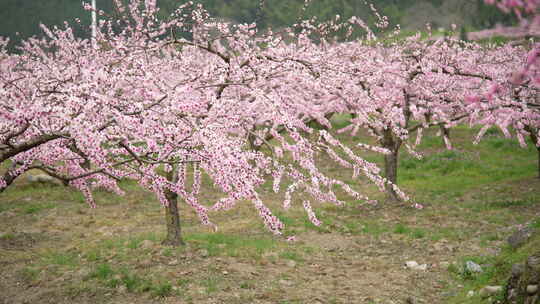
[143, 103]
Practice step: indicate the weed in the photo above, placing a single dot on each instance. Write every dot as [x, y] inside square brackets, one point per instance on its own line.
[37, 207]
[232, 245]
[102, 272]
[291, 255]
[29, 274]
[210, 284]
[401, 229]
[183, 282]
[62, 258]
[93, 255]
[162, 289]
[7, 236]
[418, 233]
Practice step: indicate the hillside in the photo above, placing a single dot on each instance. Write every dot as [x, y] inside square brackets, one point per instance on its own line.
[23, 17]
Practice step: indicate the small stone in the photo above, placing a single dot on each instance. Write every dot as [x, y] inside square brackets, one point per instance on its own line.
[225, 272]
[173, 262]
[415, 266]
[490, 291]
[532, 289]
[122, 289]
[518, 269]
[291, 263]
[411, 264]
[422, 267]
[410, 300]
[203, 253]
[470, 294]
[473, 267]
[520, 237]
[146, 244]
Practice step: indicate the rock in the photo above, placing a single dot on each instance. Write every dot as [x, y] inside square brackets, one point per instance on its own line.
[532, 289]
[520, 237]
[203, 253]
[473, 267]
[173, 262]
[122, 289]
[490, 291]
[470, 294]
[411, 264]
[291, 263]
[415, 266]
[518, 269]
[422, 267]
[410, 300]
[146, 244]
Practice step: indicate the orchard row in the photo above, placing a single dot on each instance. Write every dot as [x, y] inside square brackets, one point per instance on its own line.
[147, 99]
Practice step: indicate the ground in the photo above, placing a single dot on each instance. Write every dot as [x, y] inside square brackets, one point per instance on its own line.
[55, 249]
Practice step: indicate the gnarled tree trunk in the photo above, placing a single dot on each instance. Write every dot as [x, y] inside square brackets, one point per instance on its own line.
[172, 215]
[391, 163]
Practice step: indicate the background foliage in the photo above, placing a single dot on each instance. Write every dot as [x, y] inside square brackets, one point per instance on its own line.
[23, 17]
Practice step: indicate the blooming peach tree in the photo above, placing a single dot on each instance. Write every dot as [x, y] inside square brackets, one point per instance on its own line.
[514, 100]
[141, 102]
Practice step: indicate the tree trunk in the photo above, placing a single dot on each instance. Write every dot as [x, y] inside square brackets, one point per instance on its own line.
[445, 131]
[538, 149]
[391, 163]
[534, 139]
[10, 176]
[172, 215]
[390, 172]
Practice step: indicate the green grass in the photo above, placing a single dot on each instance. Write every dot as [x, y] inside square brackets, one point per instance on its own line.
[62, 258]
[162, 289]
[102, 272]
[291, 255]
[36, 207]
[211, 284]
[232, 245]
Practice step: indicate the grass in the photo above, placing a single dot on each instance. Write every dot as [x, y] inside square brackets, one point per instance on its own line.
[471, 195]
[495, 273]
[231, 245]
